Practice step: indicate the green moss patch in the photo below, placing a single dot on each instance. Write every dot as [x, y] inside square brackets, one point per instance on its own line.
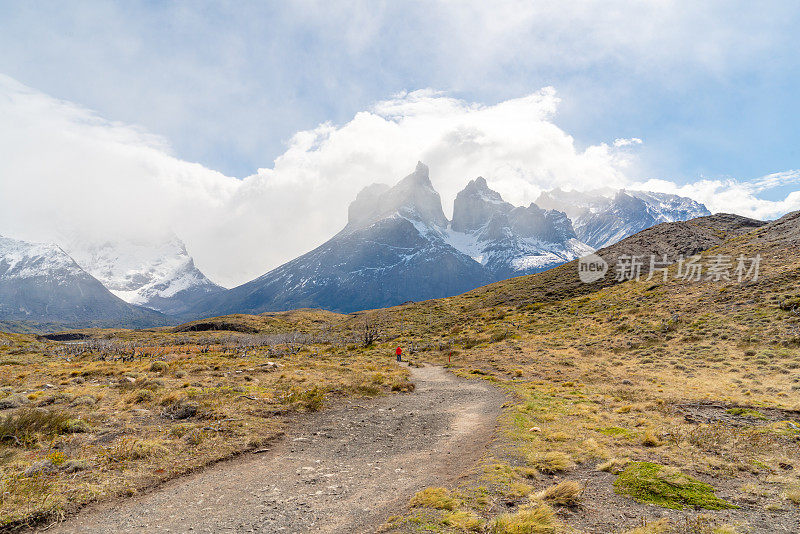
[667, 487]
[615, 431]
[746, 412]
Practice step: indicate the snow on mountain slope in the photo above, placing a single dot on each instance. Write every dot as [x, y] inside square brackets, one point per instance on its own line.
[158, 274]
[605, 216]
[393, 249]
[398, 245]
[509, 240]
[22, 259]
[41, 283]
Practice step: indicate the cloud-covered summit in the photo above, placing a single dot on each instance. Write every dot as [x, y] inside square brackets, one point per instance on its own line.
[65, 170]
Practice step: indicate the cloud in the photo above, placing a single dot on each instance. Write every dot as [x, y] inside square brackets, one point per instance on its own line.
[627, 142]
[736, 196]
[228, 82]
[67, 173]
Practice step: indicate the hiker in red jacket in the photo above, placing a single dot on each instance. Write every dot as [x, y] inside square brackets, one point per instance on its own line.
[399, 352]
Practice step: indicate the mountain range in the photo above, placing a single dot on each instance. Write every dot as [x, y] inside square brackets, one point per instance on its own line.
[397, 246]
[42, 284]
[154, 273]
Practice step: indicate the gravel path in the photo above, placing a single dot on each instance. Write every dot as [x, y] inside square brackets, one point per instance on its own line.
[340, 470]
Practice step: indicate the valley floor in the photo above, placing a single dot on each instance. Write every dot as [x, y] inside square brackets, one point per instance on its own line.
[344, 469]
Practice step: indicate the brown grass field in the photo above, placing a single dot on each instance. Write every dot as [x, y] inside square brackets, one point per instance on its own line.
[642, 407]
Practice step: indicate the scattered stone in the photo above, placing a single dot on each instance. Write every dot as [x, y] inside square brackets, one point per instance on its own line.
[83, 400]
[40, 468]
[73, 466]
[12, 401]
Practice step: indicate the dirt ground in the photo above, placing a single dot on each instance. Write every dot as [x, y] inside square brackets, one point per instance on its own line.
[345, 469]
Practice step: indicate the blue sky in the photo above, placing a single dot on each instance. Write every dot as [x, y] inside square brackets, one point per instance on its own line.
[711, 89]
[246, 128]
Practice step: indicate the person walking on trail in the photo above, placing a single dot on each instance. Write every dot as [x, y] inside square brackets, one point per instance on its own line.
[399, 353]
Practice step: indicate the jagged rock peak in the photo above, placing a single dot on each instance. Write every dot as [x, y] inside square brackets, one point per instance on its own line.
[476, 205]
[413, 197]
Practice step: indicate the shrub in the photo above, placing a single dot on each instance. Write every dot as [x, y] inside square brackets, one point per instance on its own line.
[649, 439]
[310, 399]
[539, 520]
[158, 366]
[614, 465]
[566, 493]
[463, 520]
[552, 462]
[26, 426]
[499, 335]
[83, 400]
[142, 395]
[76, 426]
[793, 495]
[469, 343]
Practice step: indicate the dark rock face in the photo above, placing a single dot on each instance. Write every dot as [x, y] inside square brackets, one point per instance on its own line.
[42, 284]
[386, 263]
[398, 246]
[475, 205]
[508, 240]
[604, 217]
[393, 249]
[413, 197]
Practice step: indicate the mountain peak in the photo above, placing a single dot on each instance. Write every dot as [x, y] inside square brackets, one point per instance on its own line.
[476, 204]
[413, 197]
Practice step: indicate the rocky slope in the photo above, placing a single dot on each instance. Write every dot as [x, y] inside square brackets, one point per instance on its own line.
[508, 240]
[393, 249]
[40, 283]
[157, 274]
[604, 217]
[399, 246]
[675, 239]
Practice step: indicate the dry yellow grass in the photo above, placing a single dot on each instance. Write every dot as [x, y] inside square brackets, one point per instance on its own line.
[566, 493]
[108, 417]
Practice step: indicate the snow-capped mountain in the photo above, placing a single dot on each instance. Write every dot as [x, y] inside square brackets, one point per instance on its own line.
[41, 283]
[394, 248]
[508, 240]
[399, 246]
[157, 274]
[603, 217]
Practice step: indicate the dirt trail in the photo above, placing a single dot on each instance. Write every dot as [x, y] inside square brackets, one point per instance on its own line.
[341, 470]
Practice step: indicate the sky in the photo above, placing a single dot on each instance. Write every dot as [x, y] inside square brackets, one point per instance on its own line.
[247, 127]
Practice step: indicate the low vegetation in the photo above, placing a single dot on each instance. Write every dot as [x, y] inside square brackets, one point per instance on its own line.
[121, 411]
[642, 407]
[667, 487]
[674, 407]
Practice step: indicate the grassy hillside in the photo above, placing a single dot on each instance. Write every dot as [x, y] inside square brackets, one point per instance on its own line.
[118, 411]
[662, 406]
[680, 394]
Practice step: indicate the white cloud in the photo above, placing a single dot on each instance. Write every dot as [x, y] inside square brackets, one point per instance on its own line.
[627, 142]
[736, 196]
[65, 171]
